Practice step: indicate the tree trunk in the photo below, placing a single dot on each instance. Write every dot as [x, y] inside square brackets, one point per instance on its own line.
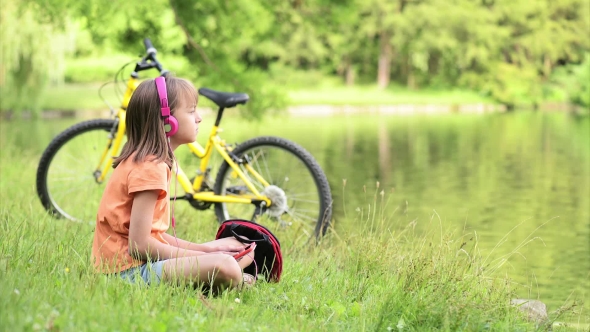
[433, 60]
[411, 79]
[410, 70]
[349, 74]
[547, 67]
[297, 4]
[384, 66]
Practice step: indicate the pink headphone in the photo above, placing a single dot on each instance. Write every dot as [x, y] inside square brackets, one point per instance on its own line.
[163, 95]
[173, 123]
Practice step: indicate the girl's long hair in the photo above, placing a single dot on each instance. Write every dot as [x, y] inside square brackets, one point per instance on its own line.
[146, 135]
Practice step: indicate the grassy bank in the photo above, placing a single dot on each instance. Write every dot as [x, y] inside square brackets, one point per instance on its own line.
[372, 95]
[85, 96]
[370, 273]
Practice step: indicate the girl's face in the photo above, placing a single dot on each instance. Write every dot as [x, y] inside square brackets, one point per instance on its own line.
[188, 121]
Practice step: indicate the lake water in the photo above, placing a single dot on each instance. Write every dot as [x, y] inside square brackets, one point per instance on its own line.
[506, 178]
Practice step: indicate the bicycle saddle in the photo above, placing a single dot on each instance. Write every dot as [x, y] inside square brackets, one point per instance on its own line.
[224, 99]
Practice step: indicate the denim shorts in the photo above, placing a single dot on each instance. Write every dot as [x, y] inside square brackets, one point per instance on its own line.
[150, 273]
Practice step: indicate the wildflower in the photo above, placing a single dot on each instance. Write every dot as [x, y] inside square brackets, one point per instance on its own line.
[401, 324]
[237, 300]
[67, 269]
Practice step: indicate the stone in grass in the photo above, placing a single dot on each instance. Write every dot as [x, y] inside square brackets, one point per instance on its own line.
[535, 310]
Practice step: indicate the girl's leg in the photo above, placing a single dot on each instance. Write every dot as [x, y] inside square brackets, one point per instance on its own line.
[245, 261]
[217, 270]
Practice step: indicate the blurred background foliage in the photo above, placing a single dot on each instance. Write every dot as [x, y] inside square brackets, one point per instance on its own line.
[516, 52]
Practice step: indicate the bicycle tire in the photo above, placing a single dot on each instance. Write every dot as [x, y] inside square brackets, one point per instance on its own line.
[44, 176]
[302, 160]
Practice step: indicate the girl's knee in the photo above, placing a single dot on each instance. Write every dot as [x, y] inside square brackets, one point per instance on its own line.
[229, 271]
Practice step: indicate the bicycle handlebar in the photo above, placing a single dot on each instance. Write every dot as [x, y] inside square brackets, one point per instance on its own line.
[150, 49]
[151, 56]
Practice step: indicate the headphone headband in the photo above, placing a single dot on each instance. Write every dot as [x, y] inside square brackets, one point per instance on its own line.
[163, 95]
[164, 107]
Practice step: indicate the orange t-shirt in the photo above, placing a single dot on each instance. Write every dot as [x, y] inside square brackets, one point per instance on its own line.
[110, 249]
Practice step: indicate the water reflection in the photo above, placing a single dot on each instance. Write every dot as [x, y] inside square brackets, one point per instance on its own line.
[487, 174]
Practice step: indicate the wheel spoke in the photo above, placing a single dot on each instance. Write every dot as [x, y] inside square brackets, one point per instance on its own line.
[266, 167]
[69, 185]
[62, 194]
[304, 200]
[70, 178]
[305, 210]
[259, 169]
[303, 194]
[299, 215]
[252, 180]
[294, 177]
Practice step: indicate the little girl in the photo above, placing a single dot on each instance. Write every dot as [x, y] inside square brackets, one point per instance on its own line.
[130, 237]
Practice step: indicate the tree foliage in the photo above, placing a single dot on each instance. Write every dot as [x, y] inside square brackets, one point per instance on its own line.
[511, 50]
[32, 53]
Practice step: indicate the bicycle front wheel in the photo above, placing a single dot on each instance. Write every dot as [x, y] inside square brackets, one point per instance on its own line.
[66, 182]
[298, 189]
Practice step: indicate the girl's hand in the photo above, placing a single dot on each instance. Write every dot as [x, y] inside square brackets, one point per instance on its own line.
[225, 249]
[220, 252]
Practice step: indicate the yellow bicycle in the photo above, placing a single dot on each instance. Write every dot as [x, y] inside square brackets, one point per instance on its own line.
[270, 180]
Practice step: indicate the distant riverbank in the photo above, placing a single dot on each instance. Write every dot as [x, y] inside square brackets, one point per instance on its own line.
[83, 101]
[85, 96]
[320, 111]
[323, 110]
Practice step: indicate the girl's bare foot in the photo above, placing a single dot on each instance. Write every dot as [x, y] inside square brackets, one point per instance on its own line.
[248, 281]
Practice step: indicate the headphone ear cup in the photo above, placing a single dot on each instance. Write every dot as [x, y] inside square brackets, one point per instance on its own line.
[173, 123]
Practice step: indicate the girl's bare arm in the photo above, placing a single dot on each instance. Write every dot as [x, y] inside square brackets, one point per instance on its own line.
[141, 244]
[182, 244]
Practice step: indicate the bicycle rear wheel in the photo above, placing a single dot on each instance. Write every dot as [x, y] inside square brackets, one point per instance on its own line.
[301, 199]
[66, 182]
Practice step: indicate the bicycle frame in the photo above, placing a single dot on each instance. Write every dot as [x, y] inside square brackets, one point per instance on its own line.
[204, 153]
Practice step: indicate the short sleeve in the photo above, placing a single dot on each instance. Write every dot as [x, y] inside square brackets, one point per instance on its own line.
[148, 175]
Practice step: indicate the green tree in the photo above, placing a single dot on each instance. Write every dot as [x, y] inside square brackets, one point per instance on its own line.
[440, 40]
[224, 34]
[343, 37]
[32, 53]
[506, 49]
[574, 80]
[379, 18]
[542, 34]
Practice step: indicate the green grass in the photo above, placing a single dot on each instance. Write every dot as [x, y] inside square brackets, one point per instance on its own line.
[372, 95]
[80, 97]
[369, 274]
